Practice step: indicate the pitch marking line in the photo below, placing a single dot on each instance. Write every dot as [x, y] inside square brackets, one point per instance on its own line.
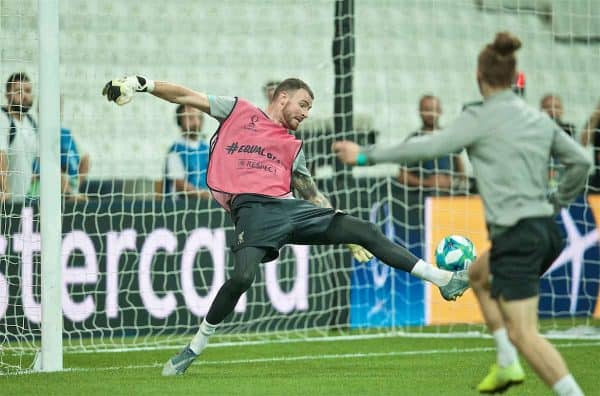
[321, 357]
[221, 344]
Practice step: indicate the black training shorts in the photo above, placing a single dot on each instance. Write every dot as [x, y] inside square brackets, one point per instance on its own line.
[270, 223]
[521, 254]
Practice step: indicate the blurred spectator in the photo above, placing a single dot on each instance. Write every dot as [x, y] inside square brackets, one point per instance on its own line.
[73, 166]
[269, 90]
[552, 105]
[74, 169]
[18, 139]
[591, 135]
[187, 161]
[437, 174]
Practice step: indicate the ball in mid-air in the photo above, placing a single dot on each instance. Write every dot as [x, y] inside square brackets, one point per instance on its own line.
[455, 253]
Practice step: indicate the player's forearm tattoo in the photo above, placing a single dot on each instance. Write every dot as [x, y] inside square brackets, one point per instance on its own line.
[306, 187]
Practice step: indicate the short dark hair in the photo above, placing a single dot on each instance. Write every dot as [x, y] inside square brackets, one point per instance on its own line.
[427, 97]
[292, 85]
[548, 96]
[14, 78]
[180, 111]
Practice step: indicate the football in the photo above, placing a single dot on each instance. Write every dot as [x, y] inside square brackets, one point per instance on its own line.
[455, 253]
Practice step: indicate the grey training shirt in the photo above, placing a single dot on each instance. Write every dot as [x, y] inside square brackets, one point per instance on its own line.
[509, 144]
[221, 107]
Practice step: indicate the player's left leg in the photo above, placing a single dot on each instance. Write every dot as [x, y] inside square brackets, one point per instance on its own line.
[507, 370]
[246, 262]
[521, 321]
[349, 229]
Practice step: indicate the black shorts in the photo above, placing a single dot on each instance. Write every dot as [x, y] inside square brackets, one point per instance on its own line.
[521, 254]
[270, 223]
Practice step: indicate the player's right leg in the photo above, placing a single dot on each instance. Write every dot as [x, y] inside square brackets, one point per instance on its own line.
[520, 317]
[507, 370]
[517, 257]
[246, 262]
[348, 229]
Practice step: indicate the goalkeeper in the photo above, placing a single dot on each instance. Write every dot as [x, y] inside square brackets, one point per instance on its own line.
[510, 146]
[254, 162]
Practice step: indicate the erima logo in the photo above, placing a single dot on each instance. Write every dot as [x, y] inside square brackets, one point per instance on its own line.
[240, 238]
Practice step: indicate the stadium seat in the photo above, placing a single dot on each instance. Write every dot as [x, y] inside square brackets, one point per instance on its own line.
[186, 48]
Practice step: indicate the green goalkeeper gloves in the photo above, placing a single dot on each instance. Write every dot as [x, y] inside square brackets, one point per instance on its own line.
[121, 90]
[359, 253]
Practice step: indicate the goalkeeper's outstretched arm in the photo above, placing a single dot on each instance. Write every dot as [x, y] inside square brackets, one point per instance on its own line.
[121, 91]
[181, 95]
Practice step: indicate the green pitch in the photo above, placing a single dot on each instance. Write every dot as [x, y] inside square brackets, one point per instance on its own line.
[380, 366]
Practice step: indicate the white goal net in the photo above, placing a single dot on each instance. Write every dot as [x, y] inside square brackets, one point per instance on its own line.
[140, 268]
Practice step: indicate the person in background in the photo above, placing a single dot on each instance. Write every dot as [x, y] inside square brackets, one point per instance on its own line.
[18, 139]
[590, 135]
[269, 90]
[74, 166]
[552, 105]
[187, 160]
[436, 174]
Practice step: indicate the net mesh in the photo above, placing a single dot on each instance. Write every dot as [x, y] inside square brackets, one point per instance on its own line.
[140, 269]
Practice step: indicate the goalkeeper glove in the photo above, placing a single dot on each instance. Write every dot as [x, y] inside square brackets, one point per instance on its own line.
[359, 253]
[121, 90]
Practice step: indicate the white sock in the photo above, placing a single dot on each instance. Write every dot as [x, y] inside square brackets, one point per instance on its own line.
[506, 353]
[566, 386]
[200, 340]
[431, 273]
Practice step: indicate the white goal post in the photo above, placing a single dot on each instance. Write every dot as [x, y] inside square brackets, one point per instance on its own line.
[50, 182]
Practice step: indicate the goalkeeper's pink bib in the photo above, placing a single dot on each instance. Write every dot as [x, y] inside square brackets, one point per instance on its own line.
[250, 154]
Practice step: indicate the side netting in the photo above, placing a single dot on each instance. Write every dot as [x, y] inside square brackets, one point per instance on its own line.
[140, 269]
[418, 50]
[19, 338]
